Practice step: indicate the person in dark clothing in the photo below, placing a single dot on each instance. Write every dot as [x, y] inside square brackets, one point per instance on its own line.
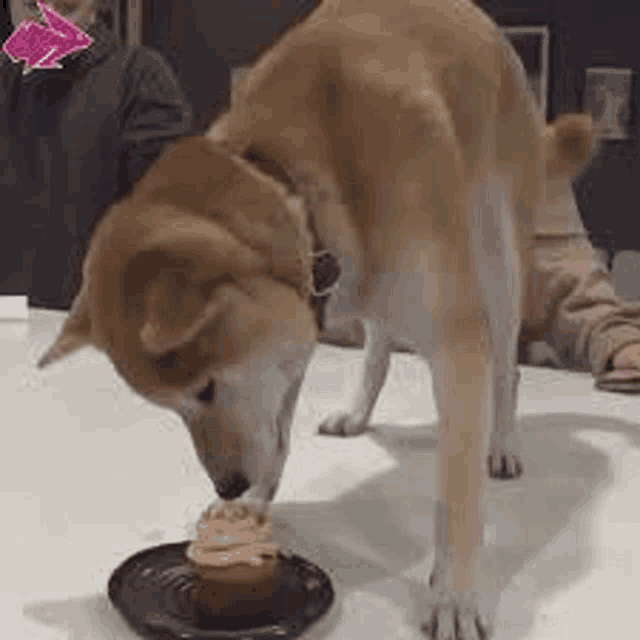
[73, 141]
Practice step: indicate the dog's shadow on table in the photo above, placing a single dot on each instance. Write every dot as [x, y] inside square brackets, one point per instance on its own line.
[539, 526]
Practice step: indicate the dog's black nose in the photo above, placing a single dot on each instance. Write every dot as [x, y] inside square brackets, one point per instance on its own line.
[232, 485]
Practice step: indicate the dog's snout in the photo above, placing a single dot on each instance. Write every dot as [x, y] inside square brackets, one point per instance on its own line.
[233, 485]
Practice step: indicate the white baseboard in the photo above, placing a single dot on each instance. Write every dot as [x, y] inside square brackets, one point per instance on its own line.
[14, 307]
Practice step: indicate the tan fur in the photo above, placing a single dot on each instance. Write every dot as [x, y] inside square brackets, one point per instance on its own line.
[571, 143]
[408, 129]
[193, 235]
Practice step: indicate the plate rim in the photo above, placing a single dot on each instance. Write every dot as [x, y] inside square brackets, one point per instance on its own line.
[317, 630]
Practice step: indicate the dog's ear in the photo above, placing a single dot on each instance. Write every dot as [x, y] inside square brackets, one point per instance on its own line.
[75, 334]
[179, 303]
[571, 144]
[175, 313]
[202, 243]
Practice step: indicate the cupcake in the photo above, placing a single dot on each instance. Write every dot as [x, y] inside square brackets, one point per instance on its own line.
[236, 567]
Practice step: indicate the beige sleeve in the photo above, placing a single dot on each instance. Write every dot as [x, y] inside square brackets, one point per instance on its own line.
[571, 304]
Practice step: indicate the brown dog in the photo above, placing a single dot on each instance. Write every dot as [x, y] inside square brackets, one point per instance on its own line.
[570, 144]
[408, 129]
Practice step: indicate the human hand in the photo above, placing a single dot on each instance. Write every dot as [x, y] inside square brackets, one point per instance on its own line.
[628, 357]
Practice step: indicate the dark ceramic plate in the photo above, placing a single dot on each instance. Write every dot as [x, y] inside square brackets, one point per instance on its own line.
[156, 593]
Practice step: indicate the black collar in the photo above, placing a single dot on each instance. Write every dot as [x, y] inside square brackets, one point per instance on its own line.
[326, 266]
[326, 273]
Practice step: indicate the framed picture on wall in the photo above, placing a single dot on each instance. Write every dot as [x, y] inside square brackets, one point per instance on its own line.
[532, 45]
[608, 96]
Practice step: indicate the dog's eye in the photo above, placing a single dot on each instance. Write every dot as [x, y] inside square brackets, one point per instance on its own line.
[206, 394]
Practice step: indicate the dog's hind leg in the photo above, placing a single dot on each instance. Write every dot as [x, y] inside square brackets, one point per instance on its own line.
[500, 273]
[504, 449]
[499, 260]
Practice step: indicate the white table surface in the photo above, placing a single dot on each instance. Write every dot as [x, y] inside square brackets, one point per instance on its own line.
[91, 474]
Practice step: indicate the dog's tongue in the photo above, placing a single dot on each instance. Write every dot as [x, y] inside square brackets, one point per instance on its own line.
[235, 534]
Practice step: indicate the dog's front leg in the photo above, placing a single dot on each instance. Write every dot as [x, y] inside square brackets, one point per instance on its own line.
[318, 185]
[504, 446]
[448, 606]
[377, 351]
[504, 291]
[349, 335]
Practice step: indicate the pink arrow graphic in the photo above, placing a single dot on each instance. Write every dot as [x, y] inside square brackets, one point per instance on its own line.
[43, 47]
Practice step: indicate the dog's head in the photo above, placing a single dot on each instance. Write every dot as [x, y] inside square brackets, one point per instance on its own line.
[203, 308]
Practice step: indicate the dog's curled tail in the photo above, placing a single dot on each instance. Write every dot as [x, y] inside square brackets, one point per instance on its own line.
[572, 142]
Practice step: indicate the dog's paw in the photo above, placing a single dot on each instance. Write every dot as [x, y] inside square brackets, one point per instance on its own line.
[444, 614]
[504, 459]
[343, 424]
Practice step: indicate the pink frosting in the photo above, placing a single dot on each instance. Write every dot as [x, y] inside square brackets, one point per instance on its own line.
[235, 534]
